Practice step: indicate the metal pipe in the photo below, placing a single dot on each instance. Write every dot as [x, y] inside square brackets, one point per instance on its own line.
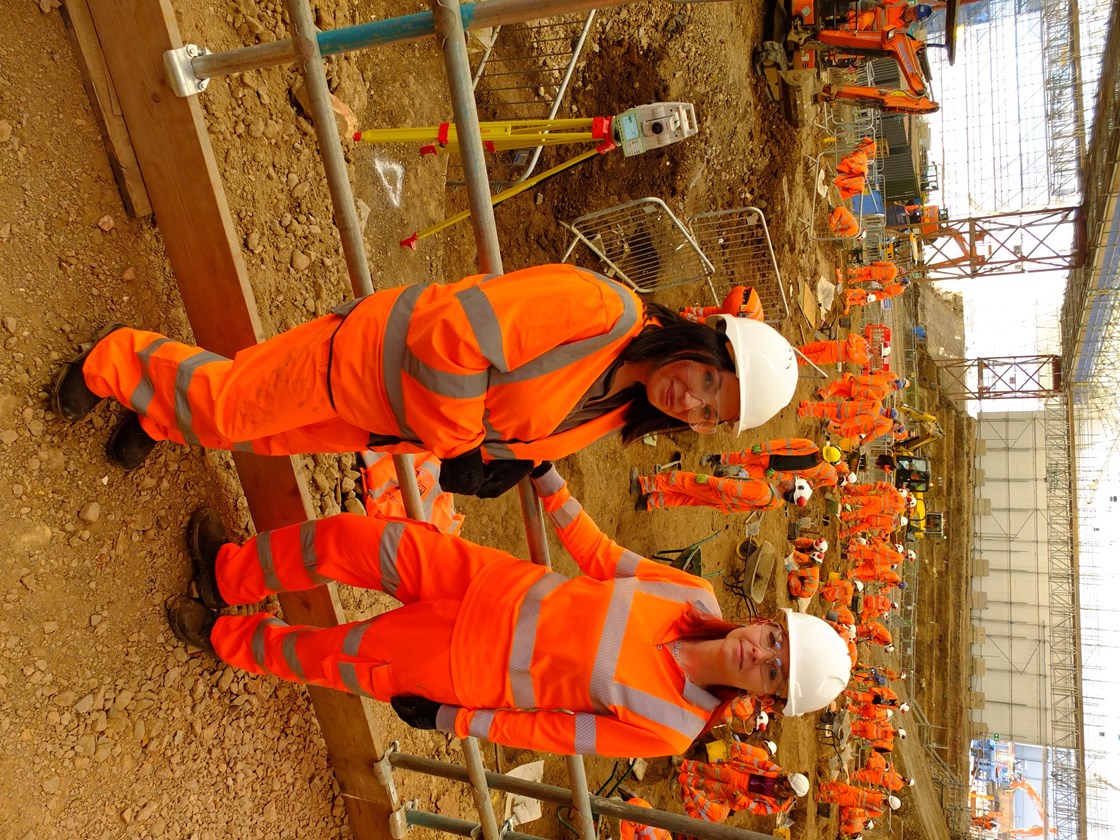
[462, 828]
[581, 798]
[326, 131]
[562, 796]
[397, 30]
[533, 518]
[480, 789]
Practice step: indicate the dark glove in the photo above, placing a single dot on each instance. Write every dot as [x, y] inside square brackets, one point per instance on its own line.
[501, 476]
[417, 712]
[463, 473]
[540, 469]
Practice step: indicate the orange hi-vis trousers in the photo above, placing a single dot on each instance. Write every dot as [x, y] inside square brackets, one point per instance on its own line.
[839, 411]
[841, 793]
[729, 495]
[803, 581]
[740, 302]
[876, 272]
[838, 592]
[874, 386]
[874, 633]
[853, 349]
[784, 459]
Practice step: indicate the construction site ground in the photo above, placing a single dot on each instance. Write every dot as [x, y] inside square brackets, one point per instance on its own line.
[110, 727]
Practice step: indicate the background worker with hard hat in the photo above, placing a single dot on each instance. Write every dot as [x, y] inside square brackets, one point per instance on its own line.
[852, 348]
[526, 366]
[632, 659]
[782, 459]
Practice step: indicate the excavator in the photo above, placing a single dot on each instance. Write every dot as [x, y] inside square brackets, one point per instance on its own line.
[876, 33]
[929, 431]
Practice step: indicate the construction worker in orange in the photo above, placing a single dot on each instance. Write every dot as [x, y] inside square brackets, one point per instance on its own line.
[630, 659]
[842, 222]
[630, 830]
[852, 349]
[840, 591]
[740, 302]
[747, 780]
[526, 366]
[782, 459]
[804, 576]
[850, 185]
[872, 731]
[383, 495]
[875, 633]
[863, 386]
[877, 271]
[679, 488]
[862, 297]
[854, 821]
[887, 777]
[841, 793]
[838, 410]
[874, 606]
[868, 711]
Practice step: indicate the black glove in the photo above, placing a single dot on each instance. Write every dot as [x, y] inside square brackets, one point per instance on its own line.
[463, 473]
[541, 468]
[501, 476]
[417, 712]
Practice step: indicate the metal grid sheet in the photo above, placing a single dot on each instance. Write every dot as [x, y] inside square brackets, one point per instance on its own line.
[737, 243]
[643, 244]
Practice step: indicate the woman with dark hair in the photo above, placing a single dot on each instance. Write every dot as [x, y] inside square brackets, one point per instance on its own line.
[630, 659]
[519, 367]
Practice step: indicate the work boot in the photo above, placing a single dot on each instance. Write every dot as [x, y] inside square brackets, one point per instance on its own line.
[709, 460]
[191, 621]
[642, 502]
[634, 486]
[71, 398]
[205, 536]
[129, 445]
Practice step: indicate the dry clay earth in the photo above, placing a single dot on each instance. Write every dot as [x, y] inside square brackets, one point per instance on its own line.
[109, 727]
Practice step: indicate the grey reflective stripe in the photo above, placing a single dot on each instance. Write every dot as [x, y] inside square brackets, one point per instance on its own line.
[566, 514]
[387, 556]
[257, 643]
[698, 696]
[394, 344]
[485, 325]
[184, 417]
[242, 446]
[351, 644]
[288, 649]
[268, 566]
[566, 354]
[141, 396]
[307, 551]
[481, 722]
[427, 505]
[585, 734]
[661, 711]
[683, 593]
[458, 386]
[610, 645]
[525, 639]
[499, 451]
[549, 483]
[627, 565]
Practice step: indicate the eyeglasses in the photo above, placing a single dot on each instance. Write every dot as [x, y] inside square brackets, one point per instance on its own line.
[773, 640]
[703, 383]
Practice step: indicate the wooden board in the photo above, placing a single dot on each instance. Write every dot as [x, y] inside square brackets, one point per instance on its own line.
[106, 108]
[174, 154]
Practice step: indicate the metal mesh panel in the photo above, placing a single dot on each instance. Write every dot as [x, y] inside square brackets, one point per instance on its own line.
[643, 244]
[737, 243]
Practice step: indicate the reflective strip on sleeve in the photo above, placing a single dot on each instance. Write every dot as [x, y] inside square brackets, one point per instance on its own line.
[387, 556]
[683, 721]
[603, 685]
[525, 639]
[481, 722]
[627, 565]
[699, 595]
[549, 483]
[566, 514]
[394, 352]
[485, 326]
[586, 726]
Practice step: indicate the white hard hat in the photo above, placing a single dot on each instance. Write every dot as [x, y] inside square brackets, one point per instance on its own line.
[894, 605]
[851, 478]
[894, 802]
[820, 545]
[802, 492]
[911, 554]
[765, 365]
[818, 557]
[890, 714]
[771, 747]
[902, 734]
[859, 585]
[860, 540]
[902, 521]
[904, 708]
[899, 547]
[886, 350]
[800, 783]
[889, 648]
[761, 719]
[819, 666]
[870, 824]
[910, 782]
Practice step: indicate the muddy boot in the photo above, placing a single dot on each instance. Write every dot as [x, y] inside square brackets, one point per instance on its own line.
[129, 445]
[71, 398]
[191, 621]
[205, 536]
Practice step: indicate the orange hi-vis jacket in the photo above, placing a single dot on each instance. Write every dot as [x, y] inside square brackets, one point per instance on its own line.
[853, 348]
[872, 730]
[740, 302]
[878, 553]
[843, 223]
[838, 591]
[876, 272]
[874, 632]
[853, 163]
[853, 821]
[515, 653]
[783, 459]
[889, 779]
[729, 495]
[493, 361]
[869, 711]
[803, 581]
[874, 606]
[872, 570]
[867, 386]
[739, 782]
[629, 830]
[839, 410]
[876, 761]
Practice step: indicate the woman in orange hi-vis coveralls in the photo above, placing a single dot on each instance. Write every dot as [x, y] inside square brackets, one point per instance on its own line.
[740, 302]
[632, 659]
[782, 459]
[526, 366]
[852, 348]
[841, 793]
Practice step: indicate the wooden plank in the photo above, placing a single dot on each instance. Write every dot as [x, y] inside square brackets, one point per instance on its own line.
[106, 108]
[177, 161]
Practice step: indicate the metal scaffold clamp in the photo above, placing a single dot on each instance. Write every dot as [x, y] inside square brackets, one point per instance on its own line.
[177, 65]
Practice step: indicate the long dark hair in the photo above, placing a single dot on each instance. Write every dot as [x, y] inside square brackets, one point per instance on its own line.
[697, 625]
[668, 338]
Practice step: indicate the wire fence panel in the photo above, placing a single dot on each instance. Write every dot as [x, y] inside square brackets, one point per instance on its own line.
[521, 71]
[643, 244]
[737, 243]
